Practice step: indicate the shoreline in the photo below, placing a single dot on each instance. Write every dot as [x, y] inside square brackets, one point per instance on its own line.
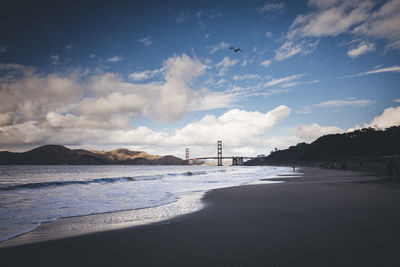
[319, 223]
[64, 227]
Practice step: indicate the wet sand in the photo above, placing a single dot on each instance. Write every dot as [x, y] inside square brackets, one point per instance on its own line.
[325, 218]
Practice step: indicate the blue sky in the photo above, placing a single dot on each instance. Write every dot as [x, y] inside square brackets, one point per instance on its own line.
[160, 76]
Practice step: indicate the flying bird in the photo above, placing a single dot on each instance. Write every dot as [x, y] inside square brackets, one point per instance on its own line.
[236, 49]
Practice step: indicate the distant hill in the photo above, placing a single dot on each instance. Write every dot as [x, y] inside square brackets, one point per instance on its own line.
[59, 155]
[357, 145]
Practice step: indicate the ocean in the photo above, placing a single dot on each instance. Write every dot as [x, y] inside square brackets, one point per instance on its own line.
[109, 196]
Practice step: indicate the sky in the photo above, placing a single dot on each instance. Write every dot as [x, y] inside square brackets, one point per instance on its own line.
[159, 76]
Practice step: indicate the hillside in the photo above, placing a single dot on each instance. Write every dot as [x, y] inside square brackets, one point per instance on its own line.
[358, 146]
[58, 155]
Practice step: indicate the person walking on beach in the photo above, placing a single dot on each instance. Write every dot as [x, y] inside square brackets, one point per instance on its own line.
[294, 168]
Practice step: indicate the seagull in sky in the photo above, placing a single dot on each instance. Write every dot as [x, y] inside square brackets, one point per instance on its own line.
[236, 49]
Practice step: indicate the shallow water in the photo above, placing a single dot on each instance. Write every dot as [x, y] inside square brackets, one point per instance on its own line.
[31, 195]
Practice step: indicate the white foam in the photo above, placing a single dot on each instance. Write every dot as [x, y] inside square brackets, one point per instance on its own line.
[73, 226]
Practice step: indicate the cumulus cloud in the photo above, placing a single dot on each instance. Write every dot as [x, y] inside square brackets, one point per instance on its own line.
[389, 117]
[237, 128]
[308, 133]
[166, 100]
[300, 134]
[207, 100]
[105, 100]
[28, 94]
[6, 119]
[363, 48]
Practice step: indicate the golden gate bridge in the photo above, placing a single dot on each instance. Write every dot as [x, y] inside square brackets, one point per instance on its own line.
[236, 160]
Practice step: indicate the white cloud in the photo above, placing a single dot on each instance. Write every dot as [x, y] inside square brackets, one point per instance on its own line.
[167, 100]
[288, 85]
[225, 64]
[246, 77]
[144, 75]
[345, 103]
[323, 3]
[274, 82]
[12, 67]
[221, 46]
[383, 23]
[389, 117]
[275, 91]
[55, 59]
[376, 71]
[82, 97]
[6, 119]
[239, 129]
[207, 100]
[363, 48]
[308, 133]
[147, 41]
[114, 59]
[236, 127]
[397, 100]
[271, 7]
[266, 63]
[3, 48]
[304, 110]
[300, 134]
[332, 19]
[362, 18]
[58, 120]
[27, 94]
[291, 48]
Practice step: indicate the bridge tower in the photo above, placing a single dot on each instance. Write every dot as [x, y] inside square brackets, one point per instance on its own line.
[219, 153]
[187, 155]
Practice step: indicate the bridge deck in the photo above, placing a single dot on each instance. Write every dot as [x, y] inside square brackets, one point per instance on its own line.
[222, 158]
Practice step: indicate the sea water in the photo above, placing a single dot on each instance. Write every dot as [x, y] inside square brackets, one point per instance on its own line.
[32, 195]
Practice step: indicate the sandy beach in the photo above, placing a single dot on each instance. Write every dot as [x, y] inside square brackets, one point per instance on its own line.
[324, 218]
